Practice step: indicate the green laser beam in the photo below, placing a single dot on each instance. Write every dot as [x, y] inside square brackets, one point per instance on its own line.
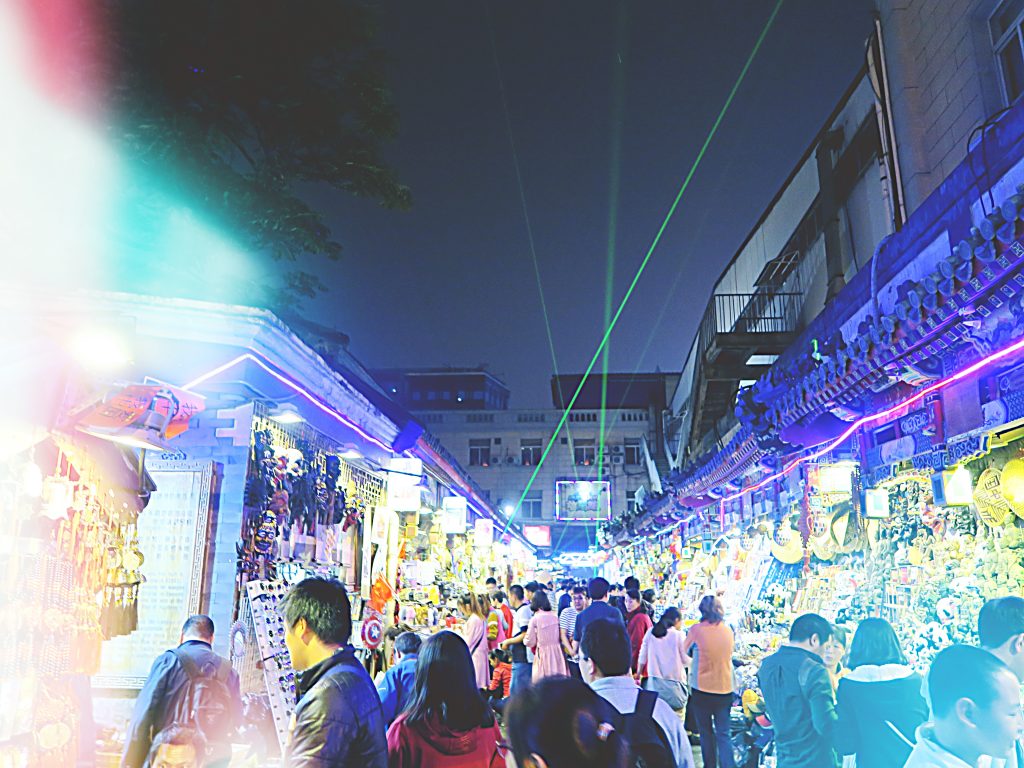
[647, 257]
[614, 179]
[668, 299]
[526, 215]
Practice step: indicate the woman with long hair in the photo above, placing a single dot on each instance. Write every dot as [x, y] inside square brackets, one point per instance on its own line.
[710, 644]
[638, 624]
[447, 723]
[475, 634]
[663, 654]
[562, 723]
[544, 637]
[879, 702]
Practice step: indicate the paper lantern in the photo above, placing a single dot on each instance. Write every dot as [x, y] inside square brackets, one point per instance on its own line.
[1011, 485]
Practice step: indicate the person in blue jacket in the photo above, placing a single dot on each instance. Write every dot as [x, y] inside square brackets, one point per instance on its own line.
[396, 687]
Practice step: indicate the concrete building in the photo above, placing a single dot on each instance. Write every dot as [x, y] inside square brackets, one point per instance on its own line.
[950, 67]
[444, 389]
[502, 449]
[815, 234]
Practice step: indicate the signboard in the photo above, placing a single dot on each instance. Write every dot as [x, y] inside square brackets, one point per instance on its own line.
[589, 500]
[538, 535]
[453, 515]
[483, 533]
[125, 407]
[173, 534]
[405, 494]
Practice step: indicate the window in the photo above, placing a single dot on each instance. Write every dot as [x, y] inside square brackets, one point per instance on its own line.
[584, 451]
[446, 395]
[480, 453]
[631, 505]
[1007, 42]
[533, 506]
[417, 395]
[633, 450]
[530, 451]
[478, 394]
[431, 395]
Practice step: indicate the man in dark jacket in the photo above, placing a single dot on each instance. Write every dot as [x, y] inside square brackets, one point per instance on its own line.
[395, 689]
[798, 695]
[155, 706]
[338, 719]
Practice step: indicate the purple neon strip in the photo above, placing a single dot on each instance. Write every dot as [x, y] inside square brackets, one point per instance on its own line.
[294, 386]
[981, 364]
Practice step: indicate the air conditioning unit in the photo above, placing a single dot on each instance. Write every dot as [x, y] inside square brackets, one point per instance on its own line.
[618, 460]
[618, 450]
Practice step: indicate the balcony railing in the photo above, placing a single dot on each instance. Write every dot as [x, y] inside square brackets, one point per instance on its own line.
[749, 313]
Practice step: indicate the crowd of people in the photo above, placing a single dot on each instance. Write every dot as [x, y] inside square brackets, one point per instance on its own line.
[584, 676]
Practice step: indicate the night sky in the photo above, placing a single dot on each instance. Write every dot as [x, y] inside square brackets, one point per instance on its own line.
[451, 281]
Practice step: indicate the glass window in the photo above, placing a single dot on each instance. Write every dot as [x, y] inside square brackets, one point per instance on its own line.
[634, 450]
[480, 453]
[530, 450]
[584, 451]
[478, 394]
[533, 506]
[431, 395]
[417, 395]
[446, 395]
[1005, 26]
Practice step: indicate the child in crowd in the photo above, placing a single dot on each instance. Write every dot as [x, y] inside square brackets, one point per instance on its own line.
[501, 678]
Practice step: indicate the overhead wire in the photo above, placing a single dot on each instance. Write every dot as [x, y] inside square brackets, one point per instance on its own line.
[650, 252]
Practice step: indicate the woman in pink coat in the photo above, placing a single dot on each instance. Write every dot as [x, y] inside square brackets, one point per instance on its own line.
[544, 637]
[475, 635]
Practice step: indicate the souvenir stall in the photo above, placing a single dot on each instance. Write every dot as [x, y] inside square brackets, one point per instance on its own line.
[70, 506]
[312, 507]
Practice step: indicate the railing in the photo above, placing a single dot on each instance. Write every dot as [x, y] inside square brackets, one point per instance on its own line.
[748, 313]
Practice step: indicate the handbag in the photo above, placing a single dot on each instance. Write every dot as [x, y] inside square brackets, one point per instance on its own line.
[672, 692]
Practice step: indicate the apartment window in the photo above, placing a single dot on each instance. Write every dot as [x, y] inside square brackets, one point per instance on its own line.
[478, 394]
[584, 451]
[431, 395]
[530, 450]
[1008, 42]
[533, 506]
[633, 450]
[480, 453]
[446, 395]
[417, 395]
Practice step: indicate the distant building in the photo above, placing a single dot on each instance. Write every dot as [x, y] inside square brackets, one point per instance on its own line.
[444, 389]
[502, 448]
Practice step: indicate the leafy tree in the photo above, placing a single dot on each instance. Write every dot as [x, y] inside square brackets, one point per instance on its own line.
[245, 107]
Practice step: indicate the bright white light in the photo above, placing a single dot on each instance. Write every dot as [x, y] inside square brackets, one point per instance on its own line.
[351, 454]
[585, 490]
[100, 349]
[509, 509]
[286, 413]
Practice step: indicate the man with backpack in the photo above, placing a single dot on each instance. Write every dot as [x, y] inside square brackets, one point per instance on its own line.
[654, 731]
[189, 686]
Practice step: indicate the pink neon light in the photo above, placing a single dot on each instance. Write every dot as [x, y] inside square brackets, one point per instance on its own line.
[983, 363]
[285, 380]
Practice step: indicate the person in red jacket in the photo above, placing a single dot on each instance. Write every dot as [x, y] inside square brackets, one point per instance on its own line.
[447, 723]
[638, 624]
[501, 678]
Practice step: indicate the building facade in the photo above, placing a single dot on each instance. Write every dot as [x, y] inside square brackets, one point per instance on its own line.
[444, 389]
[504, 448]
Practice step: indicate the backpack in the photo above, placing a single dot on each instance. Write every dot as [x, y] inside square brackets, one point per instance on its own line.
[648, 745]
[205, 703]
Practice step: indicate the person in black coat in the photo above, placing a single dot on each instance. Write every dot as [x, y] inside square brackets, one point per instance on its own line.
[338, 719]
[879, 703]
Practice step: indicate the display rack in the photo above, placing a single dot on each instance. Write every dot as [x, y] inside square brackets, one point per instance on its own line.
[268, 667]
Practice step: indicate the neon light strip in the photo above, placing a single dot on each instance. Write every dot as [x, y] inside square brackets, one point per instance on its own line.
[294, 386]
[971, 369]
